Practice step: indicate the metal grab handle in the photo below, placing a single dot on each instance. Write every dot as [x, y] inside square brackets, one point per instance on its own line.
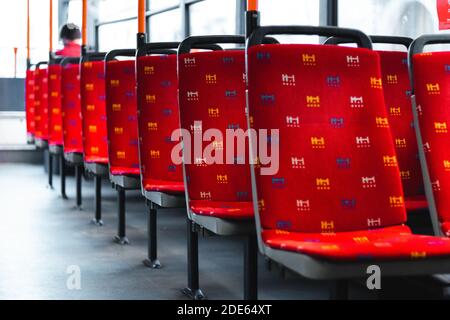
[120, 53]
[357, 36]
[199, 42]
[70, 60]
[418, 46]
[403, 41]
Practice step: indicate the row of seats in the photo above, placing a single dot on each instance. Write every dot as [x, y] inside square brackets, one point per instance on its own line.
[349, 165]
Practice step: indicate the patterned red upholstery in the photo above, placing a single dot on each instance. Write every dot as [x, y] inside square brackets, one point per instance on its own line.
[432, 88]
[55, 132]
[338, 175]
[41, 103]
[397, 94]
[93, 110]
[212, 90]
[71, 109]
[121, 121]
[158, 117]
[29, 101]
[381, 244]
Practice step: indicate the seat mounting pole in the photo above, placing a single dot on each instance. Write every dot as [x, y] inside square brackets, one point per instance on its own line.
[50, 170]
[250, 268]
[98, 201]
[78, 174]
[193, 290]
[121, 237]
[152, 235]
[62, 175]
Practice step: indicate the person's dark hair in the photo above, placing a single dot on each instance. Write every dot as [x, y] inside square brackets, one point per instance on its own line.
[70, 32]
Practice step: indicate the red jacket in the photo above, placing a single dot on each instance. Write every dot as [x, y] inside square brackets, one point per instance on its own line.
[72, 49]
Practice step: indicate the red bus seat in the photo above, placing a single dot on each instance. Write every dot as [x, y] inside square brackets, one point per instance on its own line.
[29, 105]
[71, 117]
[55, 127]
[212, 96]
[95, 133]
[93, 109]
[397, 94]
[71, 109]
[122, 129]
[54, 102]
[121, 113]
[431, 88]
[158, 118]
[218, 104]
[345, 201]
[41, 105]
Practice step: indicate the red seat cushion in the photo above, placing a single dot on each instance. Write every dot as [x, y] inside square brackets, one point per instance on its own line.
[29, 102]
[174, 187]
[224, 210]
[158, 118]
[41, 104]
[417, 203]
[212, 90]
[93, 110]
[124, 171]
[432, 89]
[381, 244]
[55, 131]
[71, 109]
[397, 94]
[121, 116]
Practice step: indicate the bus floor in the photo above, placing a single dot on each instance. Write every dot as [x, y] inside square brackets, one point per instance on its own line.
[46, 243]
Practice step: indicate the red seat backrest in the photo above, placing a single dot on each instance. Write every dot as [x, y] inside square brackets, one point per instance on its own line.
[432, 89]
[54, 105]
[93, 109]
[41, 103]
[338, 171]
[158, 117]
[71, 109]
[29, 101]
[121, 111]
[212, 90]
[397, 94]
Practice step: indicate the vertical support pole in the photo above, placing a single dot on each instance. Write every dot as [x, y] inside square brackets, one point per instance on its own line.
[193, 290]
[84, 16]
[15, 62]
[50, 170]
[332, 13]
[152, 234]
[252, 19]
[51, 29]
[78, 173]
[186, 24]
[28, 36]
[121, 236]
[142, 13]
[62, 168]
[98, 201]
[250, 268]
